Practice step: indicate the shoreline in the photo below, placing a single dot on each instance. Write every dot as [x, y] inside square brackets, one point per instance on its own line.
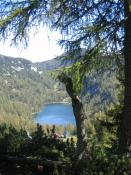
[58, 103]
[66, 103]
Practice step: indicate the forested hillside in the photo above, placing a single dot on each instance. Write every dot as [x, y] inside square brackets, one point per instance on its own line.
[24, 89]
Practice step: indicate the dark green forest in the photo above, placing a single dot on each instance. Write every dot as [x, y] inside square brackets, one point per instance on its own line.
[94, 75]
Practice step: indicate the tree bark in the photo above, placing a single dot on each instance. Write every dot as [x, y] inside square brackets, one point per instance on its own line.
[80, 118]
[125, 126]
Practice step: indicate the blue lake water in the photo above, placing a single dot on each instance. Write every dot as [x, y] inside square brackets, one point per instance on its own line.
[56, 113]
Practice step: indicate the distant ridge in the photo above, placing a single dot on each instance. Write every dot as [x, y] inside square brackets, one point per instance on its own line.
[24, 88]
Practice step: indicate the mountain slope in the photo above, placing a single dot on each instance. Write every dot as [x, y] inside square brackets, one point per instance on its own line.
[24, 88]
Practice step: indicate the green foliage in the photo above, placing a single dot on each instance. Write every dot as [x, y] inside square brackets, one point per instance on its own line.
[76, 71]
[39, 145]
[17, 19]
[105, 166]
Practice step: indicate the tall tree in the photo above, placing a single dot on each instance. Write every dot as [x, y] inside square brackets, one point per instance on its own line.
[125, 130]
[97, 25]
[80, 116]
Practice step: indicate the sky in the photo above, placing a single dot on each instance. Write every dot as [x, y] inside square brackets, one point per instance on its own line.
[42, 46]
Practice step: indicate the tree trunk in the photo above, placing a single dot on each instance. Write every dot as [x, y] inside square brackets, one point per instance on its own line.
[125, 127]
[80, 118]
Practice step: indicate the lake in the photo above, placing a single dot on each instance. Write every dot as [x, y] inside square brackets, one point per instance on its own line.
[56, 113]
